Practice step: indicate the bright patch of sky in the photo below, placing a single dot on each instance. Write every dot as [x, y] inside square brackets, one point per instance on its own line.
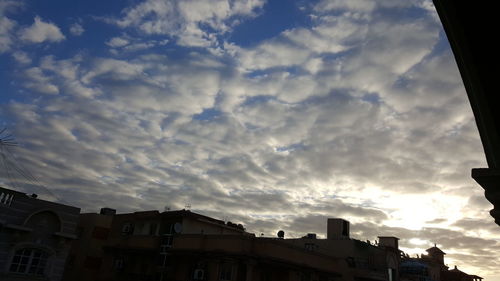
[270, 114]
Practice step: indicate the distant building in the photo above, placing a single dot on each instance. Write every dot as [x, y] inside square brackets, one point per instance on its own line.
[435, 260]
[431, 267]
[35, 236]
[414, 270]
[457, 275]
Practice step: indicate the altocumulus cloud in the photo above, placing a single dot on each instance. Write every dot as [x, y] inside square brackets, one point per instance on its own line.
[41, 31]
[76, 29]
[183, 19]
[360, 113]
[7, 25]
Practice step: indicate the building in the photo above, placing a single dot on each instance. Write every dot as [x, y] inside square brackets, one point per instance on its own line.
[183, 245]
[86, 252]
[132, 246]
[414, 270]
[35, 236]
[247, 258]
[431, 267]
[457, 275]
[365, 261]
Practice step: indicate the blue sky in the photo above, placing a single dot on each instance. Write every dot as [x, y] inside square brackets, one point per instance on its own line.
[269, 114]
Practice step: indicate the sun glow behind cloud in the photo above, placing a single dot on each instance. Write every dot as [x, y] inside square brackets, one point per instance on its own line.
[350, 109]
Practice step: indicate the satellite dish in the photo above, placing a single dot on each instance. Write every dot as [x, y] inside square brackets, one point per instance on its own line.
[281, 234]
[177, 227]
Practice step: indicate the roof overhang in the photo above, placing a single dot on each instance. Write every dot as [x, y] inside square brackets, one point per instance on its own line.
[469, 27]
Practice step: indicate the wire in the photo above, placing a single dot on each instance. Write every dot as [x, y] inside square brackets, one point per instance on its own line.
[12, 166]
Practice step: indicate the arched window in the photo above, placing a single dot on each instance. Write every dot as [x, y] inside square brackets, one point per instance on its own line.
[29, 261]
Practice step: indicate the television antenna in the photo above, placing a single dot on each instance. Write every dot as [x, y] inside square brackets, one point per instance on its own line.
[6, 139]
[11, 169]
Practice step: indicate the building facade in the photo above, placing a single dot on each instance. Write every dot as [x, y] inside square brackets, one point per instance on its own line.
[84, 259]
[35, 236]
[133, 246]
[183, 245]
[365, 260]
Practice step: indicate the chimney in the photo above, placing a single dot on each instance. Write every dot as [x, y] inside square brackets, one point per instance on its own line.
[108, 211]
[337, 229]
[388, 242]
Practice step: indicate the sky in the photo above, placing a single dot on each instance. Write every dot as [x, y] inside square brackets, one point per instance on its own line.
[277, 115]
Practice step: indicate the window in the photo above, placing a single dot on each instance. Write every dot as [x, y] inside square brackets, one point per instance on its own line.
[166, 240]
[168, 229]
[350, 262]
[6, 198]
[226, 272]
[29, 261]
[199, 274]
[309, 246]
[118, 263]
[305, 277]
[152, 228]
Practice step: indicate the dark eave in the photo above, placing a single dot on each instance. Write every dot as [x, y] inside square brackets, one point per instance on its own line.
[470, 28]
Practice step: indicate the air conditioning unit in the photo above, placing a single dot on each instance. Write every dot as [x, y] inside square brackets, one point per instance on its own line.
[127, 228]
[199, 274]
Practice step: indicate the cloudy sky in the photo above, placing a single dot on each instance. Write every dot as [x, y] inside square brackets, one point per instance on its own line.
[273, 115]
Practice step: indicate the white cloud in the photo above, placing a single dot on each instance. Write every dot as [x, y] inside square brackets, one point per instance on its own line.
[39, 81]
[40, 32]
[117, 42]
[21, 57]
[350, 5]
[183, 20]
[7, 25]
[76, 29]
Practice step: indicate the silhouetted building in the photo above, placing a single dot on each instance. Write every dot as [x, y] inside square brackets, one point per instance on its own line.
[431, 267]
[239, 257]
[414, 270]
[35, 236]
[183, 245]
[435, 260]
[365, 261]
[86, 252]
[133, 246]
[457, 275]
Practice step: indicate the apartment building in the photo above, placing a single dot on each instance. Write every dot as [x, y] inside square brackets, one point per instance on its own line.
[35, 236]
[184, 245]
